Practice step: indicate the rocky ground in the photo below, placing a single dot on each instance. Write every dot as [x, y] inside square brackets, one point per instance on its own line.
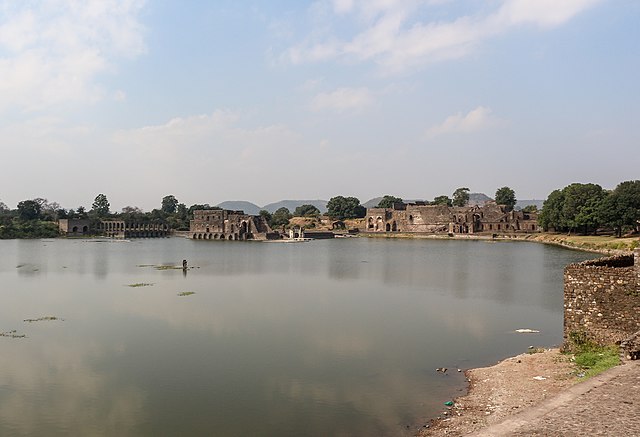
[502, 390]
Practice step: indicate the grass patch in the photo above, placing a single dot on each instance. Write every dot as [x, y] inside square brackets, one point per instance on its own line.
[591, 358]
[536, 350]
[140, 284]
[168, 267]
[43, 319]
[186, 293]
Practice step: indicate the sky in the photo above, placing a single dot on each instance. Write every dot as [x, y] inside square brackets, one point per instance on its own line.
[266, 100]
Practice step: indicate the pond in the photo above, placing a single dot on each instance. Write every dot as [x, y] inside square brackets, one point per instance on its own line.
[331, 337]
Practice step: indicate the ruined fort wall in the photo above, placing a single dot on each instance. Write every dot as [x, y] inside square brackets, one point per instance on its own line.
[602, 298]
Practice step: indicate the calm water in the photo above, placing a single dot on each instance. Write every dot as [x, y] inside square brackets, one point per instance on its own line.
[334, 337]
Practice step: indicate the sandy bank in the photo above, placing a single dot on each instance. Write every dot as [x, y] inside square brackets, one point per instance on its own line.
[502, 390]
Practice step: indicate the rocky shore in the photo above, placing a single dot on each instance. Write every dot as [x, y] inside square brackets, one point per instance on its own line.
[504, 389]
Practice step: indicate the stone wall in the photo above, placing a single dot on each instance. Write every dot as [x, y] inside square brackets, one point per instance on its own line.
[602, 298]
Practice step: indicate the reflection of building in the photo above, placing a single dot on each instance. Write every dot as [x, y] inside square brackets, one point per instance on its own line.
[122, 229]
[222, 224]
[419, 217]
[74, 227]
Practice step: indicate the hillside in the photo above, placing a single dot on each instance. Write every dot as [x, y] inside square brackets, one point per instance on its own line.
[241, 205]
[291, 205]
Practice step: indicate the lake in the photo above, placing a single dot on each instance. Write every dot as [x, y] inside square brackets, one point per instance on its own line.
[333, 337]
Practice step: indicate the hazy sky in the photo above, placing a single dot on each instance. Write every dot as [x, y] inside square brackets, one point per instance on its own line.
[284, 99]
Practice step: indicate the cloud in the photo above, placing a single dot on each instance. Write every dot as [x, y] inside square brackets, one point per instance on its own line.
[51, 51]
[475, 120]
[343, 99]
[389, 35]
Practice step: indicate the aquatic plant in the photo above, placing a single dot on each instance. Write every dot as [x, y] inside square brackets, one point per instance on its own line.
[140, 284]
[186, 293]
[42, 319]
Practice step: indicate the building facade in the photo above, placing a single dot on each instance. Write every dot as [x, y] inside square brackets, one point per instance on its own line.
[225, 224]
[442, 219]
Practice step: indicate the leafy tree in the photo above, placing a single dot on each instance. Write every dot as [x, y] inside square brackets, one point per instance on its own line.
[81, 213]
[280, 217]
[388, 201]
[507, 197]
[28, 210]
[100, 206]
[3, 207]
[442, 200]
[530, 208]
[306, 211]
[169, 204]
[266, 215]
[341, 208]
[551, 215]
[622, 207]
[461, 197]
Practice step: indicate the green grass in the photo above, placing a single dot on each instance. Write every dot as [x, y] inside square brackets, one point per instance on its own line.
[595, 361]
[140, 284]
[186, 293]
[591, 358]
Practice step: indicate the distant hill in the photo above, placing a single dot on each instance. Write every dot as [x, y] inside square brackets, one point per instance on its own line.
[291, 205]
[522, 203]
[478, 199]
[236, 205]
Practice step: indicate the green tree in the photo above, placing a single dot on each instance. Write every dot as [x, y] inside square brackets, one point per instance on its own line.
[266, 215]
[306, 211]
[341, 208]
[280, 217]
[388, 201]
[461, 197]
[3, 207]
[100, 206]
[621, 208]
[442, 200]
[28, 210]
[581, 206]
[81, 213]
[169, 204]
[551, 215]
[507, 197]
[530, 208]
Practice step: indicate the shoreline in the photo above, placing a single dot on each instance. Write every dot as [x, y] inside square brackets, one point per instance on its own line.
[559, 240]
[499, 391]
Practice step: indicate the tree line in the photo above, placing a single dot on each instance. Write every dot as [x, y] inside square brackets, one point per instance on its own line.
[586, 208]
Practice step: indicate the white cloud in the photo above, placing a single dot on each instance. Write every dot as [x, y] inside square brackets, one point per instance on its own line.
[389, 36]
[54, 49]
[343, 99]
[475, 120]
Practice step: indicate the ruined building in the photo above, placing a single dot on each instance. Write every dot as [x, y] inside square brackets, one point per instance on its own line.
[229, 225]
[112, 229]
[434, 219]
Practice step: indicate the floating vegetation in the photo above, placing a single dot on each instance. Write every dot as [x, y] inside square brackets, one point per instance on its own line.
[168, 267]
[12, 334]
[145, 265]
[20, 265]
[186, 293]
[43, 319]
[140, 284]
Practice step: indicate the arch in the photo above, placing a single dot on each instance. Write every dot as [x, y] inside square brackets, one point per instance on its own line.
[85, 229]
[222, 236]
[207, 228]
[215, 237]
[394, 226]
[195, 236]
[388, 227]
[410, 219]
[74, 229]
[243, 228]
[230, 236]
[209, 236]
[199, 236]
[370, 223]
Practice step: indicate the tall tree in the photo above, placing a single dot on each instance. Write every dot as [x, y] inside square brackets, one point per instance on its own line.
[461, 197]
[442, 200]
[341, 208]
[169, 204]
[280, 217]
[507, 197]
[28, 210]
[388, 201]
[100, 206]
[306, 211]
[622, 207]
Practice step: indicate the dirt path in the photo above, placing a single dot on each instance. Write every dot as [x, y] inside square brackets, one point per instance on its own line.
[507, 388]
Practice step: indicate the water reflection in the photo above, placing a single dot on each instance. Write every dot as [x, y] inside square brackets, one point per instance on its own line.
[322, 338]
